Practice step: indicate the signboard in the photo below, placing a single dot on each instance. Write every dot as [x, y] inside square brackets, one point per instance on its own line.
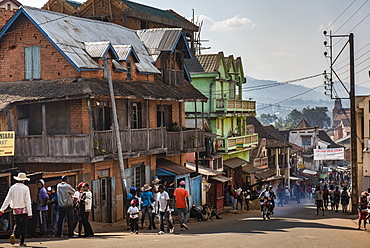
[300, 166]
[329, 154]
[7, 143]
[239, 145]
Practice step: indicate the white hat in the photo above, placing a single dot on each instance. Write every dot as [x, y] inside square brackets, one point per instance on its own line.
[21, 177]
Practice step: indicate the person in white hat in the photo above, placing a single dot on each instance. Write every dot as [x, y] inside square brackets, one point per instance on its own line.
[19, 199]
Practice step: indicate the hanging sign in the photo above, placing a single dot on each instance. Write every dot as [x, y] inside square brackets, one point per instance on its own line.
[329, 154]
[7, 143]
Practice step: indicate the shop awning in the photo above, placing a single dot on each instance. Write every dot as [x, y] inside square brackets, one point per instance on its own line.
[265, 174]
[203, 170]
[250, 169]
[221, 179]
[172, 167]
[294, 178]
[235, 162]
[309, 172]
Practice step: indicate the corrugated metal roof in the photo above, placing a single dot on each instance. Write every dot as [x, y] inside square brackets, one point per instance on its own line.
[118, 65]
[151, 10]
[193, 65]
[209, 62]
[124, 51]
[172, 167]
[159, 40]
[235, 162]
[69, 33]
[97, 49]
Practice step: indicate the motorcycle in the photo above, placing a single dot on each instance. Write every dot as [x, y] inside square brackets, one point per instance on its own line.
[266, 209]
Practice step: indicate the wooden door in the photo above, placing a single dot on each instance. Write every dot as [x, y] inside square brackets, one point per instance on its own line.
[97, 212]
[113, 199]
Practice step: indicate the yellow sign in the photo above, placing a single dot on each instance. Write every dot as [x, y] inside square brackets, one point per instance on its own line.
[239, 146]
[300, 166]
[7, 143]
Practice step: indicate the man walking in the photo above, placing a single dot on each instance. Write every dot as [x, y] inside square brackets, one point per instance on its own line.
[42, 206]
[182, 204]
[164, 210]
[65, 193]
[19, 199]
[85, 209]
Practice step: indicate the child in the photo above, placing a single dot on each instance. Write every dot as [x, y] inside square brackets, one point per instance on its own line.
[133, 211]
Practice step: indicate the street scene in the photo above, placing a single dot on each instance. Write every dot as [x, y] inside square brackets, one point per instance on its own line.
[140, 123]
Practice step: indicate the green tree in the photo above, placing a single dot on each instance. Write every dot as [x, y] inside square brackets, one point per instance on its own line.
[267, 119]
[317, 116]
[293, 118]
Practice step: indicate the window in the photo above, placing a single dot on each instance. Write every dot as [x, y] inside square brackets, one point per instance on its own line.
[23, 112]
[138, 175]
[306, 141]
[32, 62]
[232, 90]
[103, 120]
[164, 115]
[9, 7]
[143, 25]
[136, 115]
[129, 70]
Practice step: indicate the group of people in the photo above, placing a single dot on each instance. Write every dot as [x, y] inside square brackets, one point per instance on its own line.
[236, 197]
[155, 201]
[68, 204]
[325, 195]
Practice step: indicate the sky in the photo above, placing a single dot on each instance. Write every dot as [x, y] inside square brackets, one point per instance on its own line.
[279, 40]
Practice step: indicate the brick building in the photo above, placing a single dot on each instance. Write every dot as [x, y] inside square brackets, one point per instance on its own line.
[54, 94]
[7, 10]
[128, 14]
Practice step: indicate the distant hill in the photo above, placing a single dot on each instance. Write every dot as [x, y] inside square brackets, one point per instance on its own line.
[267, 96]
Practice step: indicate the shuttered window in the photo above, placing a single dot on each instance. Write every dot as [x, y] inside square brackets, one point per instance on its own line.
[32, 62]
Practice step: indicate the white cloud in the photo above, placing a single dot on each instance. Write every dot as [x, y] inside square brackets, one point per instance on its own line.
[235, 23]
[328, 27]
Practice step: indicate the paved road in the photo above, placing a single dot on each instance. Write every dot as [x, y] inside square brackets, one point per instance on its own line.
[292, 226]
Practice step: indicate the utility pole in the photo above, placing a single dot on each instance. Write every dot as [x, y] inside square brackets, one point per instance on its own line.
[352, 98]
[108, 75]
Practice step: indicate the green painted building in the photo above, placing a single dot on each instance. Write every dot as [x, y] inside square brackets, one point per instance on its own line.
[221, 78]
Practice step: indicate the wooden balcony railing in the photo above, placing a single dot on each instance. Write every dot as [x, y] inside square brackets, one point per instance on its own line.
[177, 141]
[226, 105]
[237, 143]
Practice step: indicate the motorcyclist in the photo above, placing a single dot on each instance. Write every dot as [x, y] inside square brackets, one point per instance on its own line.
[269, 195]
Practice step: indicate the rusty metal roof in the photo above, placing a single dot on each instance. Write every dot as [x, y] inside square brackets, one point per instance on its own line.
[159, 40]
[172, 167]
[235, 162]
[210, 62]
[69, 33]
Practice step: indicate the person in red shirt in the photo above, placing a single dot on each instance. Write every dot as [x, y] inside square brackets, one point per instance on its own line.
[182, 204]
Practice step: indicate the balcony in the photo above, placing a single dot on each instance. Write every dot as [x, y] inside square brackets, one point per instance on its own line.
[84, 149]
[234, 144]
[261, 163]
[231, 105]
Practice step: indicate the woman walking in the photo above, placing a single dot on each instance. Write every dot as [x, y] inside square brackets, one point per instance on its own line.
[344, 200]
[362, 209]
[319, 200]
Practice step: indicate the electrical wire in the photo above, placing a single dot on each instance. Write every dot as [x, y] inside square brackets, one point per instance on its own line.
[351, 16]
[341, 14]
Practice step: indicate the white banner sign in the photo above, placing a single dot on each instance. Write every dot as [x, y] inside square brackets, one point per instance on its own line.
[329, 154]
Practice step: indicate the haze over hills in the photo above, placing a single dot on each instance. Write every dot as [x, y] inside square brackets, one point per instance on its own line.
[278, 98]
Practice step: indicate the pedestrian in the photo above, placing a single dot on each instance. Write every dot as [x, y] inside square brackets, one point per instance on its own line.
[247, 195]
[65, 201]
[331, 196]
[155, 203]
[319, 200]
[19, 199]
[309, 191]
[344, 199]
[53, 204]
[279, 194]
[362, 209]
[85, 209]
[286, 195]
[182, 204]
[336, 198]
[76, 209]
[146, 206]
[133, 212]
[326, 196]
[239, 198]
[164, 210]
[41, 207]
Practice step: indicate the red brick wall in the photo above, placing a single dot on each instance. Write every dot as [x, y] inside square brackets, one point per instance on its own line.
[79, 117]
[175, 112]
[5, 16]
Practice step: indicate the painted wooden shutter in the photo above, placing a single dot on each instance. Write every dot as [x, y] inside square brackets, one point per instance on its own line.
[28, 62]
[36, 69]
[96, 200]
[128, 175]
[147, 174]
[32, 62]
[114, 198]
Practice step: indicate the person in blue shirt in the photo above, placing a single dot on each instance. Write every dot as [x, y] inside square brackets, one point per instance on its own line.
[146, 201]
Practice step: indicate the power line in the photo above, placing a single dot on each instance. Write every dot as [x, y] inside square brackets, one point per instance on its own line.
[351, 16]
[340, 15]
[289, 98]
